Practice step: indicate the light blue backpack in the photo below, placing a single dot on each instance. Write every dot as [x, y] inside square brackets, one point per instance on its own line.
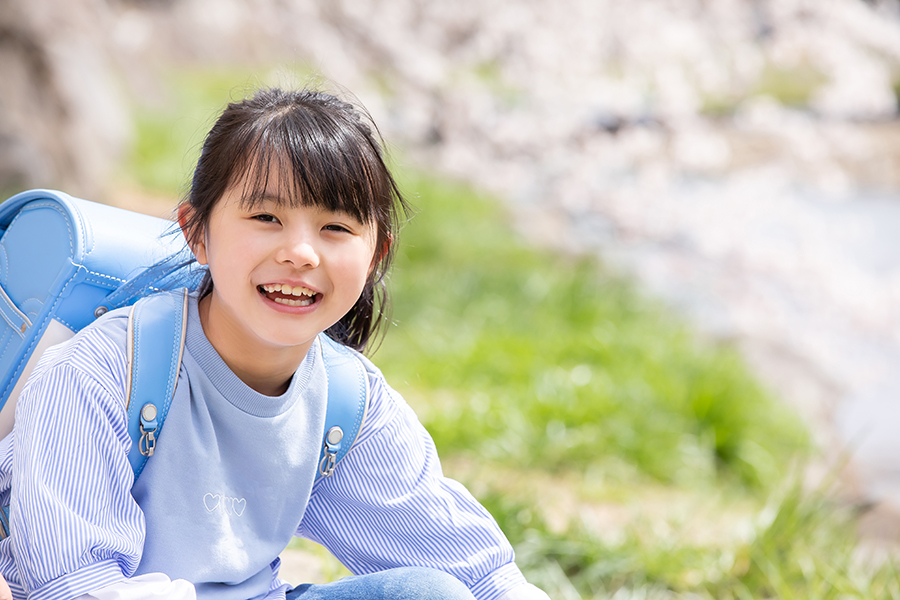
[65, 262]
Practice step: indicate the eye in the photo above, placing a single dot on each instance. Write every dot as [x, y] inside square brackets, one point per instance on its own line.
[336, 227]
[265, 218]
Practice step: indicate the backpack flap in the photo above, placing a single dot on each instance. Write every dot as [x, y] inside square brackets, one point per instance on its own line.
[60, 257]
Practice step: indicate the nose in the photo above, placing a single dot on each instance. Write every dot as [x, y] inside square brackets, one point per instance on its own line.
[299, 251]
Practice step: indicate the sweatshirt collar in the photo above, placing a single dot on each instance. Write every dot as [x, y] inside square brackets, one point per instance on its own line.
[230, 385]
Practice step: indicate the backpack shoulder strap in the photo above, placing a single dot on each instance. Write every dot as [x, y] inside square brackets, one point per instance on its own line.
[156, 329]
[348, 400]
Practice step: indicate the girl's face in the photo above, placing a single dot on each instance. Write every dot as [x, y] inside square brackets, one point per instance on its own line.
[281, 274]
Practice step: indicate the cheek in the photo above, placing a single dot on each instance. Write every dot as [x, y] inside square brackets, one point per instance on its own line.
[231, 246]
[356, 272]
[360, 274]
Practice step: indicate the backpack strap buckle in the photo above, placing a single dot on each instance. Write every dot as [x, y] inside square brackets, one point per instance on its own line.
[148, 426]
[147, 441]
[156, 332]
[331, 446]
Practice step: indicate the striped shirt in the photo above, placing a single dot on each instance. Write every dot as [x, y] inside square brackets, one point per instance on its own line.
[386, 505]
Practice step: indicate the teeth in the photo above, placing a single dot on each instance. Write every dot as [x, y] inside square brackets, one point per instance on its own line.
[305, 302]
[287, 290]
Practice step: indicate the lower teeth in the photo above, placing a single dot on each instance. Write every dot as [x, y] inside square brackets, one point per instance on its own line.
[305, 302]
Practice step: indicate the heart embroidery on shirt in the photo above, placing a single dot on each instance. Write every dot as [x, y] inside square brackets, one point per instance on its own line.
[211, 501]
[231, 506]
[239, 505]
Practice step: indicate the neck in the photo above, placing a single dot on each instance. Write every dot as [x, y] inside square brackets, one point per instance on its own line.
[264, 368]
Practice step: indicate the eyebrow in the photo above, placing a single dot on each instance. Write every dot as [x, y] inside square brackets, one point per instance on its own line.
[257, 197]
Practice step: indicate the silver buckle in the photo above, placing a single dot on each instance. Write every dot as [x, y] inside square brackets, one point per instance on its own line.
[147, 442]
[331, 445]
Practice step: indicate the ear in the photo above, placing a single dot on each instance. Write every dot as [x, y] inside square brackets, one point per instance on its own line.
[380, 253]
[196, 242]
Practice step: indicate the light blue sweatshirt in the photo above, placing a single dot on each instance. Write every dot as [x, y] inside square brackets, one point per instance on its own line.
[231, 481]
[218, 478]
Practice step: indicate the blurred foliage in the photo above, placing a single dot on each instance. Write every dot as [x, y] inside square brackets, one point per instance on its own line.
[792, 86]
[896, 88]
[170, 129]
[719, 106]
[325, 566]
[520, 355]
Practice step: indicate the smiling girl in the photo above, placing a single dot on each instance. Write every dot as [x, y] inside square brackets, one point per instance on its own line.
[295, 216]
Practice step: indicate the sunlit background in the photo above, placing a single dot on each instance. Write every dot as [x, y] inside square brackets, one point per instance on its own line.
[648, 306]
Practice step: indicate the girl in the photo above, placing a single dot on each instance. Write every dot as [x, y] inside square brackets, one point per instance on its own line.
[294, 214]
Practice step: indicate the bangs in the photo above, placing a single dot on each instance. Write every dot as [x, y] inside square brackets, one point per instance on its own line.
[313, 161]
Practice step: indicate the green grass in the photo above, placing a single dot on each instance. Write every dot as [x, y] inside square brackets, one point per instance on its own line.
[538, 373]
[799, 546]
[544, 361]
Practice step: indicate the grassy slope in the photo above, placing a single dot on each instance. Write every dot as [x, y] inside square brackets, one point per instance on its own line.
[531, 367]
[559, 395]
[545, 361]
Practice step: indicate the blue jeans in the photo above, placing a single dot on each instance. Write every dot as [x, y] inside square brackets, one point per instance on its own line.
[404, 583]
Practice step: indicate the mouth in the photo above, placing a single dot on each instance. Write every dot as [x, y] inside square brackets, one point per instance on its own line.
[282, 293]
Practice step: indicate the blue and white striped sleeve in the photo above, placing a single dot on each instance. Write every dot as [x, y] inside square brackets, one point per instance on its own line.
[388, 505]
[75, 526]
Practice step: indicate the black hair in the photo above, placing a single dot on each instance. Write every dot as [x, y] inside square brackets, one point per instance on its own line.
[330, 153]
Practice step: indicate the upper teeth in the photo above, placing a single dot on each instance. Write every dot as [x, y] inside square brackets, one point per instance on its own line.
[287, 290]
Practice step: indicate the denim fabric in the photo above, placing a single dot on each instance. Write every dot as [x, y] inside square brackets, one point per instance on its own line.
[405, 583]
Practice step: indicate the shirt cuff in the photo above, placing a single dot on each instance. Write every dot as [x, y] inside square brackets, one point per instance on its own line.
[80, 582]
[149, 586]
[526, 591]
[498, 582]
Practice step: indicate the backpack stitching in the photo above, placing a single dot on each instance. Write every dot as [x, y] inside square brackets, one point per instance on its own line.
[40, 331]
